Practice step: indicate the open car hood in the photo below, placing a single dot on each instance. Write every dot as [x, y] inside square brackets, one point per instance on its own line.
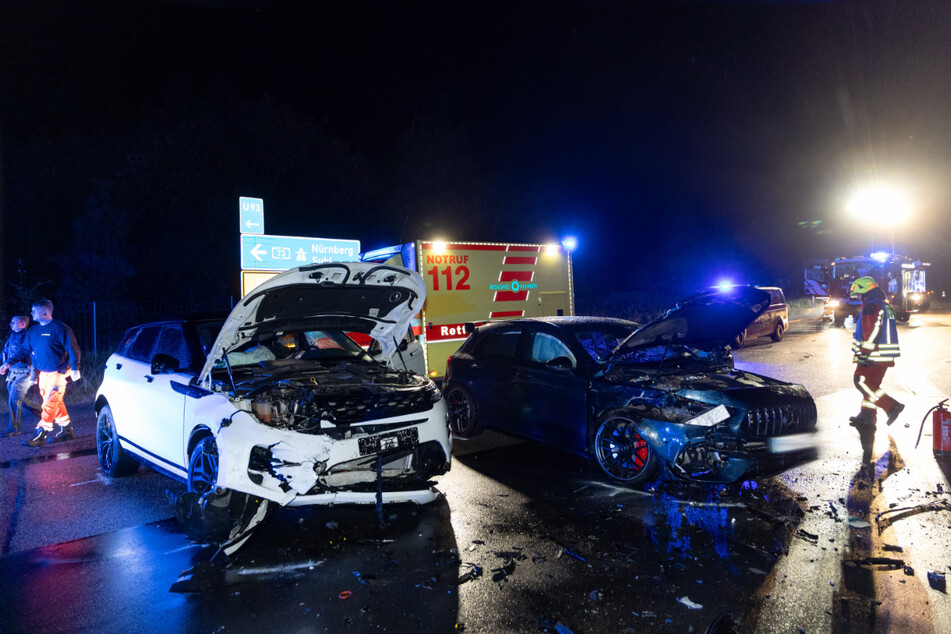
[358, 296]
[709, 320]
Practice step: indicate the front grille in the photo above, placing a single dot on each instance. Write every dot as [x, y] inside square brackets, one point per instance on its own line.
[780, 420]
[355, 407]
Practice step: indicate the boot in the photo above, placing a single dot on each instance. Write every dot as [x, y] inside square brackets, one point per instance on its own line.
[892, 415]
[64, 433]
[38, 440]
[866, 418]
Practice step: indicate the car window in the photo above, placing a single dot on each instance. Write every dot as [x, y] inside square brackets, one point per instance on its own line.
[502, 345]
[172, 343]
[207, 333]
[143, 344]
[776, 297]
[546, 347]
[600, 343]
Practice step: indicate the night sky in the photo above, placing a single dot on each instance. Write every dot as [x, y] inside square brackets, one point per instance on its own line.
[681, 142]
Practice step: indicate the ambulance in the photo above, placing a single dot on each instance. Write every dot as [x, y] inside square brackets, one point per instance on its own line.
[476, 282]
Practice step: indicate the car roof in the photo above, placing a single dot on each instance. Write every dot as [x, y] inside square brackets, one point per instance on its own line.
[579, 321]
[192, 318]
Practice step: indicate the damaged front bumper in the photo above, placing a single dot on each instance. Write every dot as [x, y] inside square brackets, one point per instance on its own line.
[342, 466]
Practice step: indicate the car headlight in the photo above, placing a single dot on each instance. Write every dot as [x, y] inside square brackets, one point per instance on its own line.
[833, 303]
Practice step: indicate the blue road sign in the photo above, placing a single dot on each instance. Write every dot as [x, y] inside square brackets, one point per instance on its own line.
[251, 215]
[279, 253]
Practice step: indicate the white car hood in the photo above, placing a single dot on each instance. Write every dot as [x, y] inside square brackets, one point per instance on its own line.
[377, 298]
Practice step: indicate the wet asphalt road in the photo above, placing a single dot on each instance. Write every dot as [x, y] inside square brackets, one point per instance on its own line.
[526, 538]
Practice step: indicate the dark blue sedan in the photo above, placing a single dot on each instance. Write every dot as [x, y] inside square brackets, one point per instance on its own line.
[663, 399]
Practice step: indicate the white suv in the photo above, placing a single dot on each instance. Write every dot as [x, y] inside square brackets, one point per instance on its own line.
[276, 404]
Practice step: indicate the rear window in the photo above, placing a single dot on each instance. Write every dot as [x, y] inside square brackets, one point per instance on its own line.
[776, 297]
[502, 345]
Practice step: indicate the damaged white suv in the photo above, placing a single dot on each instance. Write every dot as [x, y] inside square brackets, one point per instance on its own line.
[277, 404]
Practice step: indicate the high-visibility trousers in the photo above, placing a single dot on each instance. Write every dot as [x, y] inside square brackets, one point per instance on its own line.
[868, 381]
[52, 389]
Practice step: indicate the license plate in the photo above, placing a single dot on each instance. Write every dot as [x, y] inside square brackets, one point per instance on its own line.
[400, 439]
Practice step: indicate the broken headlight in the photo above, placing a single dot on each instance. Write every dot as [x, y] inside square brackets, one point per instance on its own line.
[287, 407]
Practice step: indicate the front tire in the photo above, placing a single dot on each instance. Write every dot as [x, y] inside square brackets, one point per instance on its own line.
[778, 332]
[622, 453]
[739, 341]
[203, 466]
[113, 459]
[462, 412]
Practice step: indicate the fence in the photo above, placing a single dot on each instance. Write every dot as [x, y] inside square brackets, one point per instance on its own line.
[99, 326]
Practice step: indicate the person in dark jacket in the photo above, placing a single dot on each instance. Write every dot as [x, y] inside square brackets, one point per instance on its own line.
[52, 347]
[874, 350]
[18, 376]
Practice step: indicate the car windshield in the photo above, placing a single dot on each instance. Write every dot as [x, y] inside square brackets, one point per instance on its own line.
[312, 345]
[599, 341]
[661, 358]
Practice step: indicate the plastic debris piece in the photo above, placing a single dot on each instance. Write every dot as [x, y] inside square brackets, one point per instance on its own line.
[332, 525]
[937, 581]
[856, 522]
[809, 537]
[891, 548]
[687, 602]
[346, 594]
[909, 571]
[887, 562]
[595, 595]
[359, 578]
[565, 551]
[561, 628]
[473, 572]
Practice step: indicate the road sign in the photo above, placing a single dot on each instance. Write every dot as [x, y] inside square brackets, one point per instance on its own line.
[251, 215]
[279, 253]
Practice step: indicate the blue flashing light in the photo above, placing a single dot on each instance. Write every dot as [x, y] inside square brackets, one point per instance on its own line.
[879, 256]
[570, 243]
[724, 286]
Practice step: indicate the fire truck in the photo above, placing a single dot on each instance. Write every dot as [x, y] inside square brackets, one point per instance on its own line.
[901, 277]
[475, 282]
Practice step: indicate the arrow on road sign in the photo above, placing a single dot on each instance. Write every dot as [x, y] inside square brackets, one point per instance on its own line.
[250, 224]
[258, 251]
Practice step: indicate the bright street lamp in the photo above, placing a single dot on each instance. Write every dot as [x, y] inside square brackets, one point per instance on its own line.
[880, 205]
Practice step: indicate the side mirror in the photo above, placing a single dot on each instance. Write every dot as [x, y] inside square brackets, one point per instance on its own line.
[164, 364]
[559, 363]
[404, 345]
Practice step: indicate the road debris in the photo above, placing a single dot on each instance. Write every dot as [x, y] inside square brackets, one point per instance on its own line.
[346, 594]
[687, 602]
[907, 511]
[856, 522]
[473, 572]
[937, 581]
[807, 536]
[887, 563]
[891, 548]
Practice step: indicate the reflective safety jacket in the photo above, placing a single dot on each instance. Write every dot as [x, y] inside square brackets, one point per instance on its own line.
[876, 334]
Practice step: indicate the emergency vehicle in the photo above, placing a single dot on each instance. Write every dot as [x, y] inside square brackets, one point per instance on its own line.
[902, 278]
[478, 282]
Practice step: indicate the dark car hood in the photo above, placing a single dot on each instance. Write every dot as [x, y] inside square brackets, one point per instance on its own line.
[709, 320]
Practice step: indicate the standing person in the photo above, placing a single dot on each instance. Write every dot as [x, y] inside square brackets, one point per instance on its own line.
[874, 349]
[54, 351]
[18, 379]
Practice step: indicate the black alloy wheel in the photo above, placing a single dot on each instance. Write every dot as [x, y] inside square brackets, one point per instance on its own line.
[113, 459]
[461, 410]
[622, 453]
[203, 466]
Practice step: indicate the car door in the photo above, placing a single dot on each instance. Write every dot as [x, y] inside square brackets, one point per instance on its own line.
[550, 387]
[129, 371]
[162, 406]
[492, 372]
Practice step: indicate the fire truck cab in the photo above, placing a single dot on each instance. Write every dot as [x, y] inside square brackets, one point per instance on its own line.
[902, 278]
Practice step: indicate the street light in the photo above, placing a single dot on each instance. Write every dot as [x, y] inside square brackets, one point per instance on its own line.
[880, 205]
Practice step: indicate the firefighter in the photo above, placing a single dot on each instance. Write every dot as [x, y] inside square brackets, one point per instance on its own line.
[874, 349]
